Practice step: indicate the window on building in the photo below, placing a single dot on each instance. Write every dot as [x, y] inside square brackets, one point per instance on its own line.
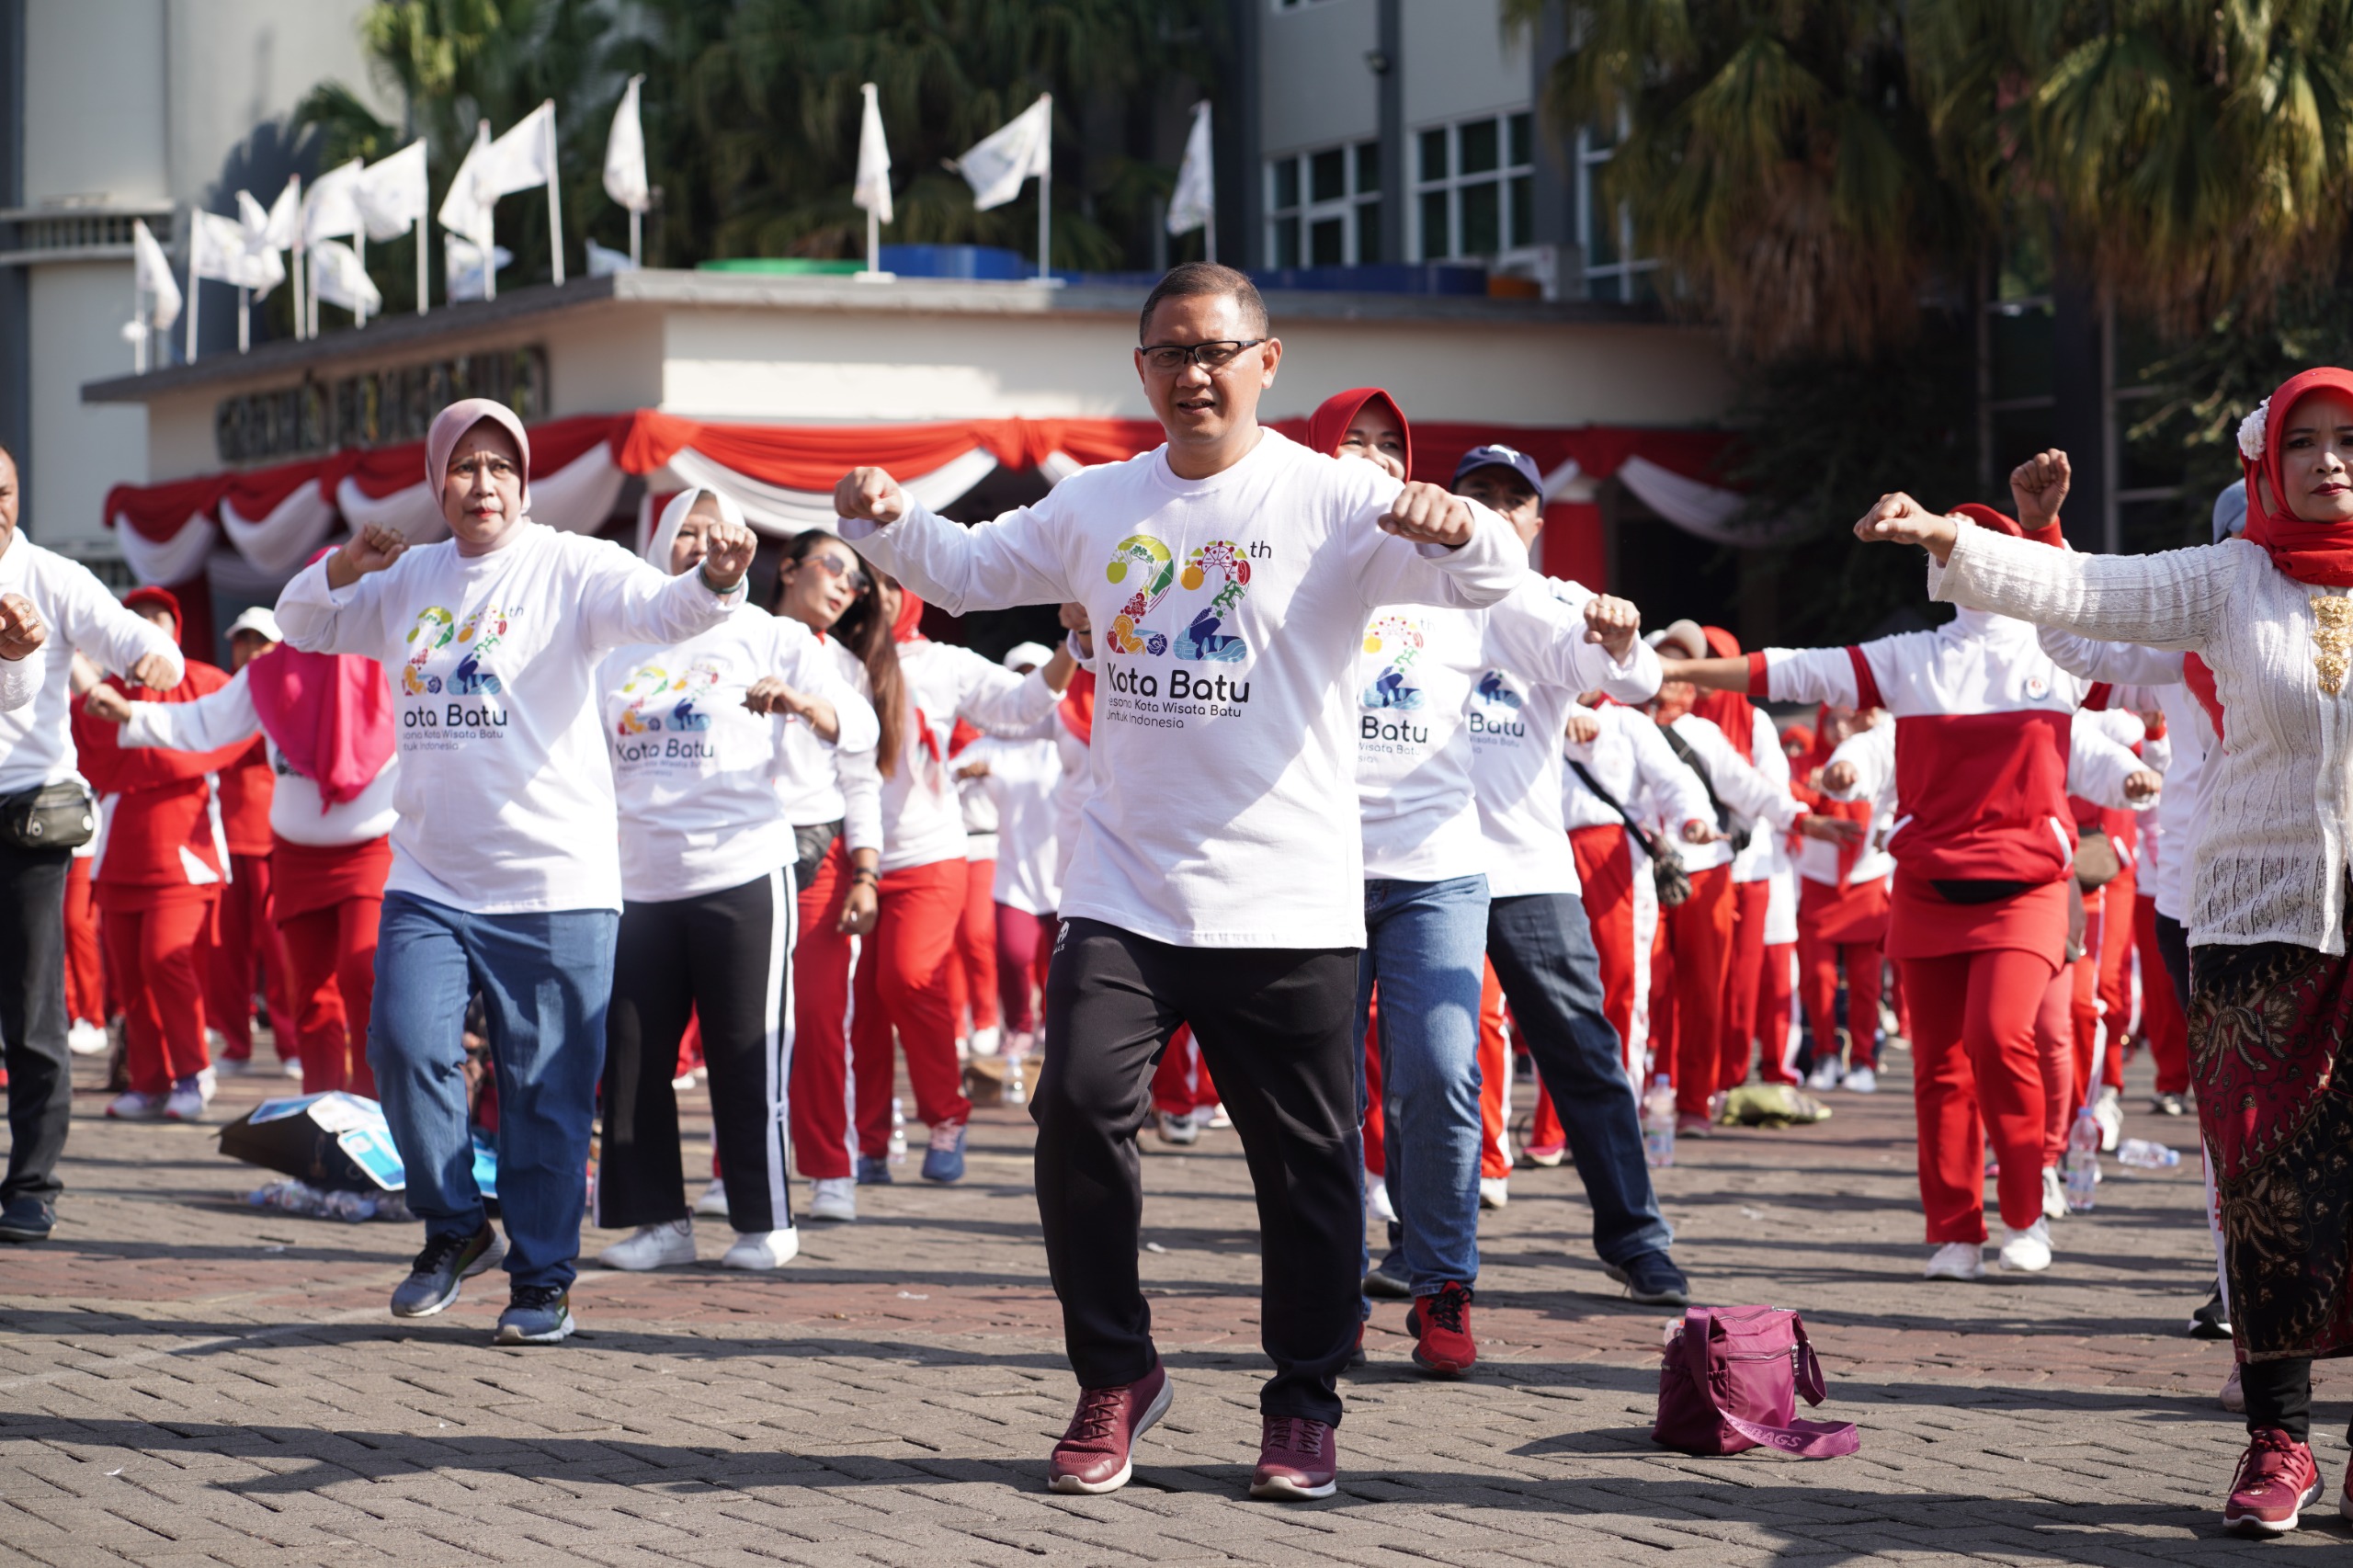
[1323, 208]
[1474, 186]
[1606, 230]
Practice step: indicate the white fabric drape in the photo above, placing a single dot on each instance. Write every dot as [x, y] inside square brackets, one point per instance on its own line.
[281, 541]
[780, 512]
[174, 560]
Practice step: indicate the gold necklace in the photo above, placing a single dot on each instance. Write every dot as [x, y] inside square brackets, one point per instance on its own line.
[2333, 633]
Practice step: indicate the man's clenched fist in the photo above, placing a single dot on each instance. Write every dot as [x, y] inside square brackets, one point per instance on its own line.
[1614, 623]
[1431, 515]
[21, 631]
[871, 495]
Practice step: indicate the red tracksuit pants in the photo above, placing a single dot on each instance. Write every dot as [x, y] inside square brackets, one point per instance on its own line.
[86, 976]
[2162, 1024]
[2055, 1042]
[1495, 1079]
[1024, 950]
[1687, 988]
[154, 940]
[1744, 979]
[246, 945]
[819, 1097]
[331, 970]
[903, 986]
[1819, 964]
[1181, 1083]
[2120, 897]
[972, 969]
[1976, 1069]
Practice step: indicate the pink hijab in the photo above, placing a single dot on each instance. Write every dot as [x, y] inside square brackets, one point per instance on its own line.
[331, 714]
[455, 421]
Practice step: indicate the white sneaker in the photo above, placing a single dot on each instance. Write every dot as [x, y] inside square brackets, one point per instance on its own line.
[684, 1081]
[1382, 1208]
[713, 1200]
[1217, 1117]
[86, 1040]
[654, 1246]
[208, 1083]
[2234, 1395]
[291, 1065]
[1825, 1075]
[1177, 1129]
[1493, 1192]
[834, 1197]
[1956, 1260]
[987, 1041]
[227, 1066]
[2054, 1194]
[2027, 1251]
[216, 1044]
[762, 1249]
[186, 1102]
[132, 1106]
[2111, 1117]
[1861, 1081]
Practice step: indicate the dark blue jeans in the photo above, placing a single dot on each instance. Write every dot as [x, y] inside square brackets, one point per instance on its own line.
[545, 979]
[1542, 949]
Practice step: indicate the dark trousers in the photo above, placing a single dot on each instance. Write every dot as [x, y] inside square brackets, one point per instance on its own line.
[726, 959]
[1274, 1025]
[1544, 958]
[2280, 1393]
[2173, 949]
[32, 1018]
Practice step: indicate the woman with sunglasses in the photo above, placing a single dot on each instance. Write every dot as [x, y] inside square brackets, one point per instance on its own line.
[698, 732]
[832, 796]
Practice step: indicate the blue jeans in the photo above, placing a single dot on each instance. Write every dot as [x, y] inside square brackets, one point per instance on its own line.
[545, 979]
[1541, 946]
[1424, 943]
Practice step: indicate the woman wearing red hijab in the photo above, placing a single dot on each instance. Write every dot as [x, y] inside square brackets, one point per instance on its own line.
[2271, 992]
[161, 867]
[902, 983]
[326, 720]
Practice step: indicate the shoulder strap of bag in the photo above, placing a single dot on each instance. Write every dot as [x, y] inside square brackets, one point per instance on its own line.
[1799, 1439]
[1642, 835]
[1682, 749]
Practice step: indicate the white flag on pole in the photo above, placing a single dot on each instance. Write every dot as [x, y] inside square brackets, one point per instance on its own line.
[625, 179]
[219, 248]
[872, 191]
[281, 226]
[391, 195]
[466, 209]
[604, 261]
[253, 222]
[1194, 202]
[152, 271]
[523, 159]
[331, 209]
[343, 279]
[1019, 148]
[461, 266]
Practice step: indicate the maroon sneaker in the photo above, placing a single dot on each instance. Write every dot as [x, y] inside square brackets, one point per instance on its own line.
[1440, 1325]
[1093, 1455]
[2277, 1480]
[1297, 1459]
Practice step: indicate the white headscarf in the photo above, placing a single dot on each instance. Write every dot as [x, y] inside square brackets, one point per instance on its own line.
[674, 517]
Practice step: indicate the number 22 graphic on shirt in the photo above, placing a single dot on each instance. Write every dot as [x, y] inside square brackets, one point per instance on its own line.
[1127, 634]
[434, 629]
[1205, 638]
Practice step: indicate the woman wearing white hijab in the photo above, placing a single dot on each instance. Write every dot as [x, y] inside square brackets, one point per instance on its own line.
[505, 875]
[697, 732]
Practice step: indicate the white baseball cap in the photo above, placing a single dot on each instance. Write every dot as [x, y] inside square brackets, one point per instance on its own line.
[258, 619]
[1034, 654]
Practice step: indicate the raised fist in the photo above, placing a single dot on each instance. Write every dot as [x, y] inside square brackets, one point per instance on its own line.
[871, 495]
[2039, 486]
[1427, 514]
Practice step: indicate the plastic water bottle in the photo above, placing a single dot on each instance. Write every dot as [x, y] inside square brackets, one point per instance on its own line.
[2083, 1161]
[1017, 1086]
[898, 1133]
[2141, 1154]
[1658, 1124]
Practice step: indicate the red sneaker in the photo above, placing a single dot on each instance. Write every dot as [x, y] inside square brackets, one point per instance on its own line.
[1297, 1459]
[1093, 1455]
[2277, 1480]
[1440, 1325]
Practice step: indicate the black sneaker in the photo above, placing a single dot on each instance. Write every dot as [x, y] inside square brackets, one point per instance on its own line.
[873, 1170]
[447, 1260]
[2211, 1321]
[1383, 1287]
[1651, 1278]
[27, 1219]
[535, 1314]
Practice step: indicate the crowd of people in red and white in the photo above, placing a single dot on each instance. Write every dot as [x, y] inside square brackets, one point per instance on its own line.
[1323, 810]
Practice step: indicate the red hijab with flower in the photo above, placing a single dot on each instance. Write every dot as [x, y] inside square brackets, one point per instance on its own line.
[1328, 426]
[2319, 554]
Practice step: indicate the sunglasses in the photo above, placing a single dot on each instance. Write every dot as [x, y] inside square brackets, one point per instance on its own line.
[858, 581]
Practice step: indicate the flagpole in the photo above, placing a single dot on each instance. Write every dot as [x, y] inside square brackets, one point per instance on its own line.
[359, 248]
[635, 259]
[1208, 238]
[416, 232]
[192, 286]
[490, 265]
[1046, 195]
[245, 318]
[555, 200]
[301, 247]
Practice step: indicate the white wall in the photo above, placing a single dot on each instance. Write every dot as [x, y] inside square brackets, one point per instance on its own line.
[1315, 88]
[79, 451]
[1457, 64]
[94, 100]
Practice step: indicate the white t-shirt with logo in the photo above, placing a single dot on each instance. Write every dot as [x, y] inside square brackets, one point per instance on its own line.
[505, 793]
[923, 814]
[696, 773]
[1229, 613]
[1023, 779]
[1433, 692]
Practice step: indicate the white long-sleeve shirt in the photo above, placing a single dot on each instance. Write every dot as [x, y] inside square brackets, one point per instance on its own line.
[827, 782]
[1023, 779]
[2169, 838]
[21, 679]
[2271, 855]
[297, 811]
[696, 774]
[505, 793]
[1437, 688]
[2097, 764]
[1229, 615]
[1764, 855]
[35, 734]
[1630, 759]
[923, 814]
[1754, 800]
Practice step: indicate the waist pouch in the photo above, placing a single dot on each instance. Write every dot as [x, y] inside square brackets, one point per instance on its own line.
[55, 816]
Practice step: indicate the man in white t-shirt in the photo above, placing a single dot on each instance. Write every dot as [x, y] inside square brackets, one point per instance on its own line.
[1217, 878]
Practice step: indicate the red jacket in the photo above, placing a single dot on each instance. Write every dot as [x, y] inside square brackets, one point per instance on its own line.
[246, 788]
[158, 828]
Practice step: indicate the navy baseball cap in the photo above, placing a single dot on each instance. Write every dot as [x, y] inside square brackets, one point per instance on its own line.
[1499, 456]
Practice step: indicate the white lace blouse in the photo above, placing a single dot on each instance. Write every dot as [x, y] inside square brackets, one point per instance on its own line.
[2268, 863]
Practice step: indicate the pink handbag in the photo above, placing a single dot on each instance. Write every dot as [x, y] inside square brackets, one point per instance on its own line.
[1730, 1382]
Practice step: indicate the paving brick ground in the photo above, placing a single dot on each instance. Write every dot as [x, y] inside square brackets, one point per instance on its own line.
[185, 1380]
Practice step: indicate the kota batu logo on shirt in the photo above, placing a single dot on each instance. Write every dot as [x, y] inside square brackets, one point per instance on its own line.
[1147, 564]
[1494, 710]
[449, 658]
[667, 717]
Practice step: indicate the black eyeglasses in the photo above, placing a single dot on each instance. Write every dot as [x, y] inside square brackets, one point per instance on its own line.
[858, 581]
[1170, 357]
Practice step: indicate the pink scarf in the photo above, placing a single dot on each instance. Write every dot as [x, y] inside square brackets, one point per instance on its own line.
[331, 714]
